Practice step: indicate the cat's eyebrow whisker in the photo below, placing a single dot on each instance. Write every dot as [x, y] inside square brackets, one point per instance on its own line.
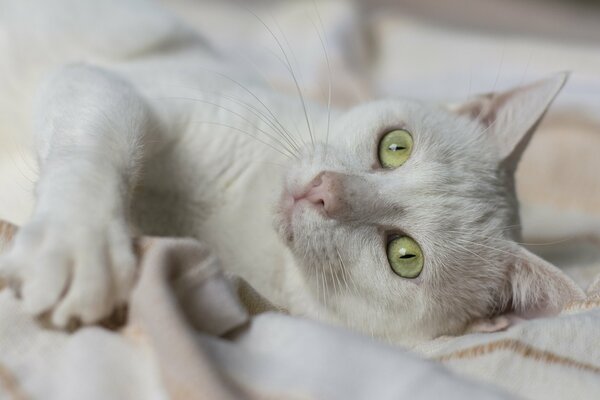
[559, 241]
[527, 66]
[240, 116]
[490, 126]
[246, 133]
[469, 231]
[499, 68]
[487, 262]
[491, 248]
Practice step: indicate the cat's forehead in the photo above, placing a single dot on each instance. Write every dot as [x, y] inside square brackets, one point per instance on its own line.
[425, 121]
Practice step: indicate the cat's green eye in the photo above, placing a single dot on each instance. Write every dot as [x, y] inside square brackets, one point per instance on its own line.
[405, 256]
[395, 148]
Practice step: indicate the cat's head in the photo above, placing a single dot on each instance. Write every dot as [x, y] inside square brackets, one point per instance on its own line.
[405, 223]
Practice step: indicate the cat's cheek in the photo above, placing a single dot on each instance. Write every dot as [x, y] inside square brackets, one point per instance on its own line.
[283, 218]
[283, 227]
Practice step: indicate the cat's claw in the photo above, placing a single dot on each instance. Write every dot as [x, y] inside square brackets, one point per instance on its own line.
[74, 272]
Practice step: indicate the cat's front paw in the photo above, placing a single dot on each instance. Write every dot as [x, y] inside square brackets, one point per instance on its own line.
[73, 271]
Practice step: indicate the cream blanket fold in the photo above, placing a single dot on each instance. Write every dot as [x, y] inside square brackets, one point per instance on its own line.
[188, 336]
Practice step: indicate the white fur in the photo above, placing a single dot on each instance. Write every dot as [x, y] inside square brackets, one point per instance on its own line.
[152, 138]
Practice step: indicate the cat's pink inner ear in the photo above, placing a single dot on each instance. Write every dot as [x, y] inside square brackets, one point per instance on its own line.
[510, 117]
[537, 288]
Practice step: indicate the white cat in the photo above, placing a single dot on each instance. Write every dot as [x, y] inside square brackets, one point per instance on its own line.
[395, 218]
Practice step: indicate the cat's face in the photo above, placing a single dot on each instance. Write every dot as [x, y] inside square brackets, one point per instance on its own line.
[406, 235]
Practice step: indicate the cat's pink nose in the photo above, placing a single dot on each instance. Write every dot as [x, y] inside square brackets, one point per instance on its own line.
[325, 191]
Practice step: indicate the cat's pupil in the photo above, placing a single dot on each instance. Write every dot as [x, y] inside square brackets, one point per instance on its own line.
[408, 256]
[395, 147]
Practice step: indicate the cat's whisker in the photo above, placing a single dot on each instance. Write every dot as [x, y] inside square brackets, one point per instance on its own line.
[273, 123]
[283, 166]
[526, 67]
[343, 273]
[493, 90]
[291, 69]
[313, 270]
[25, 162]
[281, 129]
[324, 283]
[243, 118]
[20, 170]
[338, 279]
[323, 40]
[325, 280]
[267, 83]
[296, 81]
[234, 128]
[250, 92]
[335, 281]
[344, 268]
[470, 81]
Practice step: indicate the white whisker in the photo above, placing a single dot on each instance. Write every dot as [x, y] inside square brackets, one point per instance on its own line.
[291, 70]
[290, 149]
[324, 47]
[234, 128]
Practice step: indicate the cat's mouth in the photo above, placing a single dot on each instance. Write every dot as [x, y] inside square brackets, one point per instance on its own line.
[291, 204]
[298, 200]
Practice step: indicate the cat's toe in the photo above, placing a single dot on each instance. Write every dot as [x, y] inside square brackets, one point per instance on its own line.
[90, 296]
[71, 272]
[46, 281]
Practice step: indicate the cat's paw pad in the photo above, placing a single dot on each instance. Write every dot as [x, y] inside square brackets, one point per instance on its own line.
[73, 272]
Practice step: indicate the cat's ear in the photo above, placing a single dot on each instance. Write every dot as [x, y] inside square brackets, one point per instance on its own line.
[510, 117]
[535, 287]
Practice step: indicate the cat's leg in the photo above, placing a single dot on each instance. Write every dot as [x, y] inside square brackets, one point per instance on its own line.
[75, 258]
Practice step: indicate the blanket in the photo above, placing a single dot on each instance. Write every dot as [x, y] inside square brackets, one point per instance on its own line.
[191, 331]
